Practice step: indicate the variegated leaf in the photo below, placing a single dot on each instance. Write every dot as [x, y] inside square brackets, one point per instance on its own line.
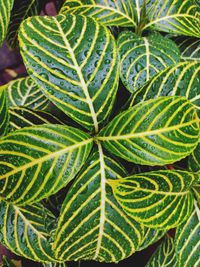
[151, 236]
[54, 264]
[157, 199]
[37, 161]
[22, 9]
[194, 160]
[165, 255]
[181, 80]
[155, 132]
[24, 231]
[187, 240]
[77, 65]
[174, 16]
[5, 10]
[25, 92]
[144, 57]
[92, 226]
[4, 115]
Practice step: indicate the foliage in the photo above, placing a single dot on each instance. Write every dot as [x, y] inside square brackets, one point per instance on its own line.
[65, 133]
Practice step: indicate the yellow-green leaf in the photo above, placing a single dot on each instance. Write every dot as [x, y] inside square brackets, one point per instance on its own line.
[5, 10]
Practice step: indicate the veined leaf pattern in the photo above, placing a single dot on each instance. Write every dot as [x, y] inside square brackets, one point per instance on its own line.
[174, 16]
[77, 66]
[5, 10]
[155, 132]
[55, 264]
[23, 230]
[143, 57]
[25, 92]
[4, 115]
[181, 80]
[37, 161]
[165, 255]
[194, 160]
[187, 241]
[157, 199]
[92, 226]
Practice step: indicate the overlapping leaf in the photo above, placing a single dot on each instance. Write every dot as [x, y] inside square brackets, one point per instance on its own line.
[174, 16]
[110, 13]
[4, 115]
[157, 199]
[154, 132]
[22, 9]
[77, 65]
[92, 226]
[21, 117]
[181, 80]
[144, 57]
[194, 160]
[5, 10]
[55, 264]
[187, 241]
[25, 92]
[37, 161]
[24, 231]
[165, 255]
[189, 47]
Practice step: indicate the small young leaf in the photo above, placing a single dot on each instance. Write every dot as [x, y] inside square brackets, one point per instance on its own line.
[78, 72]
[156, 132]
[5, 10]
[92, 226]
[143, 57]
[187, 240]
[157, 199]
[4, 115]
[181, 80]
[23, 231]
[25, 92]
[165, 255]
[38, 161]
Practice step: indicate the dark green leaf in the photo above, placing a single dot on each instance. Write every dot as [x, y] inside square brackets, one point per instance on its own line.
[4, 115]
[5, 10]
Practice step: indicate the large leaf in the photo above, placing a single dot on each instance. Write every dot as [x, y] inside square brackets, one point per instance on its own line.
[21, 117]
[24, 230]
[155, 132]
[75, 61]
[194, 160]
[189, 47]
[25, 92]
[181, 80]
[4, 115]
[22, 9]
[92, 226]
[157, 199]
[174, 16]
[110, 13]
[5, 10]
[187, 241]
[144, 57]
[37, 161]
[165, 255]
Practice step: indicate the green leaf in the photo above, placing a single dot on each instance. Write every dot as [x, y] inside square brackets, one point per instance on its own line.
[22, 9]
[25, 92]
[151, 236]
[165, 255]
[23, 230]
[181, 80]
[156, 132]
[55, 264]
[37, 161]
[5, 10]
[21, 117]
[179, 17]
[143, 57]
[187, 242]
[189, 47]
[4, 115]
[92, 226]
[157, 199]
[110, 13]
[194, 160]
[78, 72]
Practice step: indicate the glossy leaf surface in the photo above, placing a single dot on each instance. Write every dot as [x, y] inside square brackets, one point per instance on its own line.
[4, 115]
